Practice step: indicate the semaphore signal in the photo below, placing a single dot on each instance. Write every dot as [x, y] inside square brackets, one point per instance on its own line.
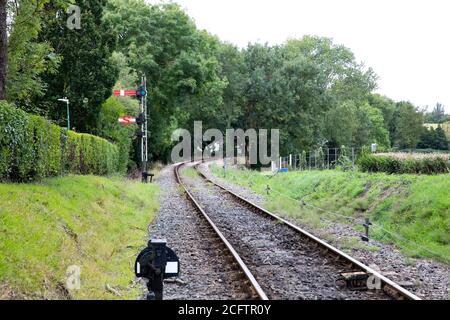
[124, 93]
[141, 94]
[127, 120]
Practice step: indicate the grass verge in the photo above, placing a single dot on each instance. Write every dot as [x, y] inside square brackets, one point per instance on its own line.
[411, 211]
[96, 223]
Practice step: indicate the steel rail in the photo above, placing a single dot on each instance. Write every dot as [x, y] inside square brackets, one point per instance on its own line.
[388, 286]
[252, 280]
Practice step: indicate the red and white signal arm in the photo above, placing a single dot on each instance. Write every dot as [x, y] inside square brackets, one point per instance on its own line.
[127, 120]
[124, 93]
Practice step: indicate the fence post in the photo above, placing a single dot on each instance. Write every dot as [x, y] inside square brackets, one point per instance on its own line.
[353, 157]
[328, 158]
[336, 157]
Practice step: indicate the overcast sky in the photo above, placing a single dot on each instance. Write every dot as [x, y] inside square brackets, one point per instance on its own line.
[406, 42]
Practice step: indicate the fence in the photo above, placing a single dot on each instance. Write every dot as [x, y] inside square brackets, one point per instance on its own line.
[320, 159]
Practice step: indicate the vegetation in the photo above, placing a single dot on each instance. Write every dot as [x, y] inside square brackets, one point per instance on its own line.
[407, 132]
[411, 211]
[398, 163]
[32, 148]
[95, 223]
[312, 89]
[120, 135]
[86, 73]
[433, 139]
[438, 115]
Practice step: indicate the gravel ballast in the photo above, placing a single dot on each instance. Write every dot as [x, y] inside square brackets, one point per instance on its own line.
[205, 272]
[426, 278]
[285, 265]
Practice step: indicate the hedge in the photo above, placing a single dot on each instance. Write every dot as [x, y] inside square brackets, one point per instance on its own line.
[406, 164]
[31, 148]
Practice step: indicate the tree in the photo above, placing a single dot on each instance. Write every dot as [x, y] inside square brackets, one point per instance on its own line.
[352, 125]
[282, 94]
[110, 129]
[433, 139]
[3, 49]
[408, 125]
[342, 74]
[387, 107]
[441, 142]
[438, 113]
[28, 57]
[341, 124]
[181, 64]
[426, 140]
[232, 69]
[86, 75]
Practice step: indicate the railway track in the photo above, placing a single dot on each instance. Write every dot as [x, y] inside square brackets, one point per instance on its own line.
[276, 259]
[248, 283]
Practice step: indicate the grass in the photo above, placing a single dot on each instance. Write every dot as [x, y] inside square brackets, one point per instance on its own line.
[96, 223]
[189, 172]
[411, 211]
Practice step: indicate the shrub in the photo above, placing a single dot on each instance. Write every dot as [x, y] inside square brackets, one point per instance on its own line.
[15, 153]
[44, 141]
[405, 163]
[32, 148]
[109, 128]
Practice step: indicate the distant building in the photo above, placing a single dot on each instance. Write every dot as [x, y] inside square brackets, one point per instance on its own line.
[445, 126]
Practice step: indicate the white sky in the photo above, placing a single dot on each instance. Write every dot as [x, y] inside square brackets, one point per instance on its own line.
[406, 42]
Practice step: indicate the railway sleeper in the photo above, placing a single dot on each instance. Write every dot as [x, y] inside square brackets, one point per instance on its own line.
[356, 280]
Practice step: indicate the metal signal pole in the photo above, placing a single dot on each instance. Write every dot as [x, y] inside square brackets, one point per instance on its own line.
[144, 131]
[141, 121]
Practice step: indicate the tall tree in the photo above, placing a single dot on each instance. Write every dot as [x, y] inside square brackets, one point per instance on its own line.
[438, 113]
[343, 75]
[3, 48]
[181, 64]
[441, 141]
[86, 75]
[387, 107]
[28, 57]
[433, 139]
[232, 69]
[408, 125]
[286, 92]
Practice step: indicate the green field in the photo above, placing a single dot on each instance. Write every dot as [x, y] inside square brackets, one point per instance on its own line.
[96, 223]
[412, 211]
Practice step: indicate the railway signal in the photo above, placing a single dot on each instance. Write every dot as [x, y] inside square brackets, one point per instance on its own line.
[141, 91]
[141, 121]
[156, 263]
[127, 120]
[124, 93]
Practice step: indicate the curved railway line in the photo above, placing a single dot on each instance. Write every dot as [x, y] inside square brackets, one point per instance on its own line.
[277, 259]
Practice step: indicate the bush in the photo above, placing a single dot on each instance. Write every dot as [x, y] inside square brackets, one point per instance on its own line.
[109, 128]
[405, 163]
[32, 148]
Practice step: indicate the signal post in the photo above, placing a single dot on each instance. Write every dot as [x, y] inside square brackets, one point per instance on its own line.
[141, 121]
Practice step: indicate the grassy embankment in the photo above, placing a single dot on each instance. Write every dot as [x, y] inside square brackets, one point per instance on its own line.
[96, 223]
[414, 207]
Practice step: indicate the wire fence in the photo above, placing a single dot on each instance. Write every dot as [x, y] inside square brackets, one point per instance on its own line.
[408, 244]
[319, 159]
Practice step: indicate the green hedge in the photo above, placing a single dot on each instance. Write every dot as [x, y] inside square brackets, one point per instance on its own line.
[392, 165]
[32, 148]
